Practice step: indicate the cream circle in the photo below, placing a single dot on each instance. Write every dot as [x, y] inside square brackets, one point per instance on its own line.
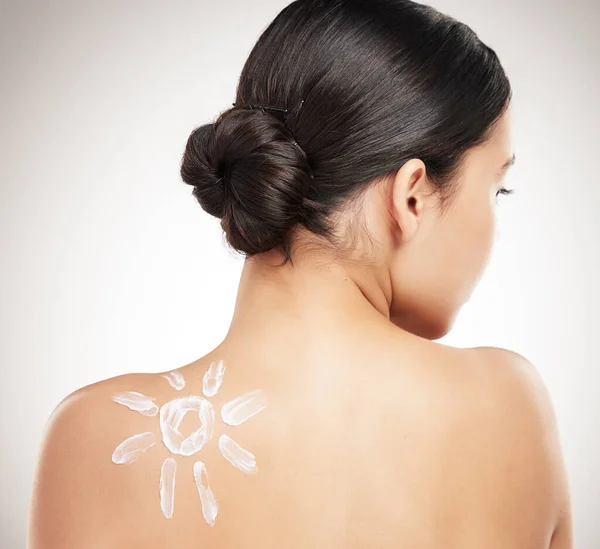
[171, 415]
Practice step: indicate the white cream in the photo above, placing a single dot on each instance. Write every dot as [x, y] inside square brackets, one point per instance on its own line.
[171, 415]
[236, 455]
[175, 379]
[167, 486]
[213, 378]
[127, 451]
[137, 402]
[234, 412]
[207, 498]
[240, 409]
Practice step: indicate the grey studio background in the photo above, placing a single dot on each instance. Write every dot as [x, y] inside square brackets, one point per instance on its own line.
[109, 266]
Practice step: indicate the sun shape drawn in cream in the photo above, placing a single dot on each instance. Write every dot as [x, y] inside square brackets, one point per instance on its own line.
[171, 414]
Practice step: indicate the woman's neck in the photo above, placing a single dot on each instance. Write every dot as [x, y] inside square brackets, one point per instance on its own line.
[314, 291]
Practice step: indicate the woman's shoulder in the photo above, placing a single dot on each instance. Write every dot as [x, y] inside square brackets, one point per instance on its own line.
[90, 475]
[476, 426]
[504, 450]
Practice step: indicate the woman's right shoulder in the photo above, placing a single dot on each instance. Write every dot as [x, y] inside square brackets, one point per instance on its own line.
[506, 448]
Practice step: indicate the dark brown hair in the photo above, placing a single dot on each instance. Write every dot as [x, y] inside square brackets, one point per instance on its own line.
[368, 84]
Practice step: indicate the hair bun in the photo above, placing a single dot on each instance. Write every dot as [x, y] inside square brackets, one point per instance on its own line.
[247, 170]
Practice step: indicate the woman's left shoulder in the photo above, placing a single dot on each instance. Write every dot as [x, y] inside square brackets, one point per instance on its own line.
[78, 488]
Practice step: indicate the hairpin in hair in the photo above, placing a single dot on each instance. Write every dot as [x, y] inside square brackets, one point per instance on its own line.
[264, 108]
[286, 112]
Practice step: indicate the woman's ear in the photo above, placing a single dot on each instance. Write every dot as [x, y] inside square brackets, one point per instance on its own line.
[409, 190]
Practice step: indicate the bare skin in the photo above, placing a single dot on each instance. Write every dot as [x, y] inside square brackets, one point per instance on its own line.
[374, 435]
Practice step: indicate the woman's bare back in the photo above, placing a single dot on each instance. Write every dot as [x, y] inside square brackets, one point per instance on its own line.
[386, 441]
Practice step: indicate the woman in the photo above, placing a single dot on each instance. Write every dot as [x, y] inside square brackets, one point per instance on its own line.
[358, 171]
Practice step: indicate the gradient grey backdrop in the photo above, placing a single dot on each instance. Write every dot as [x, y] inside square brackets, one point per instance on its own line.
[109, 266]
